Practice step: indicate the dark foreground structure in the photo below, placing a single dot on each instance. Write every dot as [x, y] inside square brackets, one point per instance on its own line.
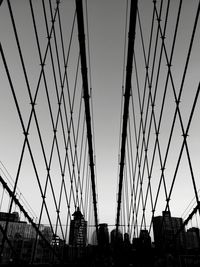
[139, 254]
[170, 248]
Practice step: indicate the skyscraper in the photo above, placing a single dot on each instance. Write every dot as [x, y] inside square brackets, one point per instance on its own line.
[78, 230]
[116, 237]
[103, 234]
[165, 228]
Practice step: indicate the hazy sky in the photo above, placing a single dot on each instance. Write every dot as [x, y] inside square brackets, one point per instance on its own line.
[107, 19]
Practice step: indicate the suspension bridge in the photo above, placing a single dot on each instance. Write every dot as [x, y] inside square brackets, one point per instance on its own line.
[49, 198]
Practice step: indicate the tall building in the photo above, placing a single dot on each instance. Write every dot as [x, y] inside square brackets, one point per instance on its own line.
[145, 239]
[103, 234]
[126, 239]
[116, 237]
[165, 228]
[94, 238]
[78, 229]
[193, 239]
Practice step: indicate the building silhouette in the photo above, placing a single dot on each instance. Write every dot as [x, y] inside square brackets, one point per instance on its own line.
[22, 237]
[165, 228]
[15, 226]
[93, 240]
[10, 217]
[116, 237]
[103, 235]
[126, 239]
[193, 239]
[145, 239]
[78, 229]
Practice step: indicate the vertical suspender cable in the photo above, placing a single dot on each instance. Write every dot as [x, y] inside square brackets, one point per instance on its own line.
[81, 35]
[132, 26]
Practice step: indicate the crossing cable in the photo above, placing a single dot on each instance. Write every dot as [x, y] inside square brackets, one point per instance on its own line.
[33, 111]
[157, 144]
[141, 105]
[62, 92]
[148, 84]
[81, 33]
[79, 161]
[190, 216]
[82, 166]
[151, 102]
[75, 159]
[48, 165]
[132, 171]
[128, 219]
[30, 151]
[148, 137]
[36, 227]
[162, 105]
[89, 173]
[7, 176]
[189, 206]
[172, 50]
[132, 26]
[25, 141]
[31, 102]
[154, 100]
[175, 33]
[182, 147]
[189, 159]
[134, 165]
[153, 116]
[123, 85]
[88, 189]
[126, 189]
[132, 207]
[25, 131]
[61, 98]
[71, 123]
[177, 110]
[71, 104]
[54, 124]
